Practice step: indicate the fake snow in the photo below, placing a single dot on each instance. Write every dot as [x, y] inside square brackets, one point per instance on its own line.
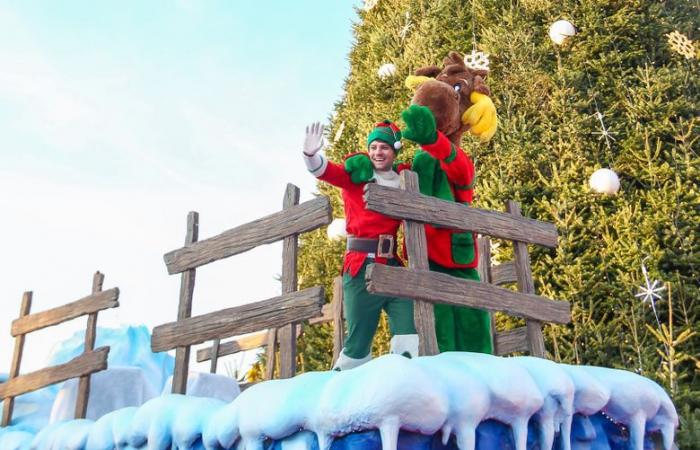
[449, 401]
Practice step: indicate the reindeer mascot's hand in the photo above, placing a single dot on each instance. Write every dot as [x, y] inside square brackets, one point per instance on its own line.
[420, 125]
[360, 168]
[481, 117]
[313, 142]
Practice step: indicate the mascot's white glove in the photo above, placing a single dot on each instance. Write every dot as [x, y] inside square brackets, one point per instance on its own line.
[313, 143]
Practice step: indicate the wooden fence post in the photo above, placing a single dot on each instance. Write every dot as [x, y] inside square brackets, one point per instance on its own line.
[417, 249]
[484, 268]
[526, 285]
[290, 249]
[271, 353]
[81, 401]
[214, 355]
[16, 360]
[338, 324]
[182, 354]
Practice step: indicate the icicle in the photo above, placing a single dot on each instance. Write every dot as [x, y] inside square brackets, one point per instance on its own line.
[665, 420]
[446, 431]
[324, 441]
[519, 427]
[636, 426]
[637, 402]
[558, 390]
[466, 437]
[468, 396]
[508, 402]
[389, 432]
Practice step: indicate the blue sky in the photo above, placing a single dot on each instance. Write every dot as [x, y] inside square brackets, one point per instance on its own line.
[117, 118]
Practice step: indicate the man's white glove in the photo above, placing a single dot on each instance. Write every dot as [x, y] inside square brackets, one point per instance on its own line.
[313, 142]
[314, 139]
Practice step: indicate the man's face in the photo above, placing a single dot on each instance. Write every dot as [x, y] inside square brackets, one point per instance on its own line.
[382, 155]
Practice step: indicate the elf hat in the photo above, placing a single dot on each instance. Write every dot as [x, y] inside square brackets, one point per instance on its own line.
[386, 132]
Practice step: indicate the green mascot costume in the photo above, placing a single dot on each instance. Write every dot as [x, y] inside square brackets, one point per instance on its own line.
[447, 103]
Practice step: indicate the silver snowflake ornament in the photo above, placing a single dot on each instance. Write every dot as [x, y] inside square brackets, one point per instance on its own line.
[604, 133]
[407, 27]
[650, 291]
[477, 60]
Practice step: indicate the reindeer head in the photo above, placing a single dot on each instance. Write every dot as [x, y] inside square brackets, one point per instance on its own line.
[447, 93]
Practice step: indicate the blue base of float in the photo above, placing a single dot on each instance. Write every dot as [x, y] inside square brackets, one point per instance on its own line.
[589, 433]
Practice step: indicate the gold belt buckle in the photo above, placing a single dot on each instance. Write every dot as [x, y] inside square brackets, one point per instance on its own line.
[382, 251]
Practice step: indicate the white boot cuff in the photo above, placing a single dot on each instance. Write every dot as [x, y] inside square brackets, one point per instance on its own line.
[345, 362]
[405, 344]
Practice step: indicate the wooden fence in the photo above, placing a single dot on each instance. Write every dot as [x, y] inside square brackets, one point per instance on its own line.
[330, 312]
[82, 366]
[427, 287]
[278, 314]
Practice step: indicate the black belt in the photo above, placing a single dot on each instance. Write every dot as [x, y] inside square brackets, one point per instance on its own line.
[383, 247]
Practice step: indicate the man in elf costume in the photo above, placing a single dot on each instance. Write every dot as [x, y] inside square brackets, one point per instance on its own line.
[447, 103]
[371, 239]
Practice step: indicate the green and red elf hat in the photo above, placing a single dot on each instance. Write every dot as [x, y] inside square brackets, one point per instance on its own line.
[386, 132]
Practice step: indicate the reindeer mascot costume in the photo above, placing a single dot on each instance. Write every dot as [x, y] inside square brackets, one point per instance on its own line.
[448, 102]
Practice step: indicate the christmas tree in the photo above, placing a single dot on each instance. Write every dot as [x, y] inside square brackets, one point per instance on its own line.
[619, 91]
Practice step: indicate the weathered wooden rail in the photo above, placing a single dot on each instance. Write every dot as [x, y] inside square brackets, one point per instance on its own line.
[427, 287]
[330, 312]
[82, 366]
[279, 315]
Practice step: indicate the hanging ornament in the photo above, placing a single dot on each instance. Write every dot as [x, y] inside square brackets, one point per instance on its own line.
[604, 181]
[649, 293]
[339, 133]
[369, 4]
[681, 44]
[386, 71]
[336, 230]
[477, 60]
[560, 30]
[604, 133]
[407, 26]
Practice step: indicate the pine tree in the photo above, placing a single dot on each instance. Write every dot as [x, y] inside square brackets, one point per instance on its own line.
[620, 72]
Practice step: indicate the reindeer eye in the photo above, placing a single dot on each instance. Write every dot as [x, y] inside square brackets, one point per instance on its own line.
[457, 87]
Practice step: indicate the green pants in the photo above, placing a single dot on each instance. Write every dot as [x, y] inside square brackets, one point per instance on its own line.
[362, 312]
[460, 328]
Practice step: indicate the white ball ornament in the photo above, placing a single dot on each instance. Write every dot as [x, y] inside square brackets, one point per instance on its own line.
[560, 30]
[604, 181]
[336, 230]
[386, 70]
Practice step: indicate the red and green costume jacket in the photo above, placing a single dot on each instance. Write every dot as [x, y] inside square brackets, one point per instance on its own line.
[446, 172]
[359, 221]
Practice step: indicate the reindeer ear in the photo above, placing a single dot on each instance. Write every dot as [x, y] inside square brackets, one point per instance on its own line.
[428, 71]
[453, 58]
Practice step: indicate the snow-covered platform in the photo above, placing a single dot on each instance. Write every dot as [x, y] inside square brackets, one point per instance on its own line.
[449, 401]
